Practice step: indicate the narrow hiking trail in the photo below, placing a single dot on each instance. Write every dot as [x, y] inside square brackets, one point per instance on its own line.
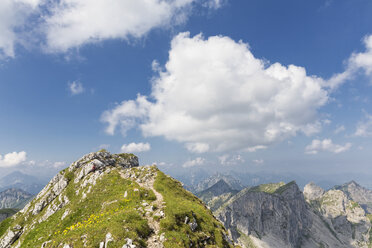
[147, 180]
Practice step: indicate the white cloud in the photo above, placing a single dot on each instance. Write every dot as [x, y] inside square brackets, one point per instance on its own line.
[228, 160]
[31, 162]
[135, 147]
[327, 122]
[214, 4]
[214, 91]
[364, 128]
[131, 110]
[162, 164]
[73, 23]
[76, 88]
[13, 16]
[258, 161]
[339, 129]
[197, 147]
[356, 62]
[59, 164]
[326, 145]
[12, 159]
[363, 60]
[195, 162]
[255, 148]
[64, 24]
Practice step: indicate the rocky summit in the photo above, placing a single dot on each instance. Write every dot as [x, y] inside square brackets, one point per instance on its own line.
[358, 194]
[108, 200]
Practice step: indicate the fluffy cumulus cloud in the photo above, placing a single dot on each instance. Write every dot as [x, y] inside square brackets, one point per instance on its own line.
[73, 23]
[364, 128]
[214, 95]
[194, 162]
[136, 147]
[13, 16]
[76, 88]
[65, 24]
[12, 159]
[326, 145]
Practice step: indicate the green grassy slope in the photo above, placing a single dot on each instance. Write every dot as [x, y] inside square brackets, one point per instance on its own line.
[116, 203]
[179, 204]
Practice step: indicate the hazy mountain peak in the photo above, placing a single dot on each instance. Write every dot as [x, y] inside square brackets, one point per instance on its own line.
[232, 181]
[357, 193]
[20, 180]
[14, 198]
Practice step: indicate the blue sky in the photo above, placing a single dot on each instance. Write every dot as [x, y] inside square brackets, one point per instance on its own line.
[240, 85]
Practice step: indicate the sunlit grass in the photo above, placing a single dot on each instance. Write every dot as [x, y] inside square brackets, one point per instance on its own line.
[179, 204]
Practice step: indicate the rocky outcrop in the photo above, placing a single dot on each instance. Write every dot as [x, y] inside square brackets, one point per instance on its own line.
[276, 217]
[11, 236]
[345, 217]
[279, 216]
[100, 160]
[53, 197]
[313, 191]
[358, 194]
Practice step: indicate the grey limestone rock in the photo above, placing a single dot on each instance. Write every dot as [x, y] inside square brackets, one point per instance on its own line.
[313, 191]
[10, 237]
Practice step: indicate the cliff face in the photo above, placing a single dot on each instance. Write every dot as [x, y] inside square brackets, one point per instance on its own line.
[345, 217]
[279, 216]
[274, 215]
[358, 194]
[108, 200]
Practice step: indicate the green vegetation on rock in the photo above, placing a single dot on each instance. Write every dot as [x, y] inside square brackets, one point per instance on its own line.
[91, 219]
[96, 201]
[267, 188]
[284, 187]
[181, 205]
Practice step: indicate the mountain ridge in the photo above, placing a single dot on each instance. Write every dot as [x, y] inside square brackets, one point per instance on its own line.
[108, 200]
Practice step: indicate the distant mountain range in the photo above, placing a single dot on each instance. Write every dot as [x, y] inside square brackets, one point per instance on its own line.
[279, 215]
[217, 194]
[198, 179]
[14, 198]
[105, 200]
[19, 180]
[231, 181]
